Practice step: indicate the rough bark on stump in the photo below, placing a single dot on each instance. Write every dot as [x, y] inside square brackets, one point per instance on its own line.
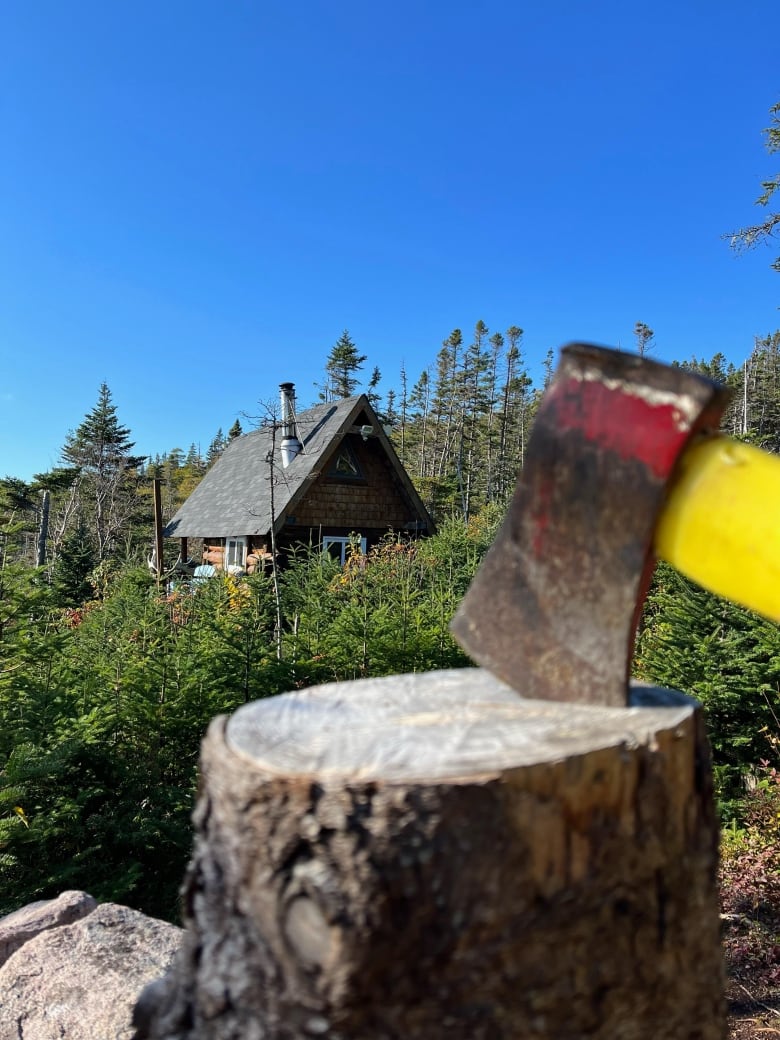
[430, 856]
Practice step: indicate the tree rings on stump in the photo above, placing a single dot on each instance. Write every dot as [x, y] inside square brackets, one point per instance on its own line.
[430, 856]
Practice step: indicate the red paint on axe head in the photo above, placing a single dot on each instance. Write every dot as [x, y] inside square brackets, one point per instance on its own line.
[620, 421]
[554, 606]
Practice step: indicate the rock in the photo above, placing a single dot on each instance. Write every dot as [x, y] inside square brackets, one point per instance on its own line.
[17, 928]
[80, 981]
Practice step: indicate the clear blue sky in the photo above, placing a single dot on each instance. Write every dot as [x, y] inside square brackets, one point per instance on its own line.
[197, 198]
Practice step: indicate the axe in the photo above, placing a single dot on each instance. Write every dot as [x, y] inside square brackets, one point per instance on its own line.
[624, 465]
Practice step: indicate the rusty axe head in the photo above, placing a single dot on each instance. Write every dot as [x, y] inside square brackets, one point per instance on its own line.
[554, 607]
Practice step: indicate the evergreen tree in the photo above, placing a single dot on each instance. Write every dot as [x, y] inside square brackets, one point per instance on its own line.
[371, 391]
[724, 372]
[216, 448]
[492, 463]
[549, 368]
[390, 415]
[73, 565]
[415, 428]
[462, 433]
[750, 236]
[761, 393]
[475, 406]
[644, 336]
[515, 414]
[341, 368]
[724, 655]
[235, 431]
[19, 513]
[100, 451]
[445, 404]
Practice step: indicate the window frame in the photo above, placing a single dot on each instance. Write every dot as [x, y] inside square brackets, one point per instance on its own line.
[344, 540]
[234, 542]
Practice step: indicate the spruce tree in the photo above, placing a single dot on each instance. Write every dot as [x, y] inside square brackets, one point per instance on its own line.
[100, 451]
[341, 368]
[371, 391]
[216, 448]
[74, 563]
[724, 655]
[747, 237]
[761, 396]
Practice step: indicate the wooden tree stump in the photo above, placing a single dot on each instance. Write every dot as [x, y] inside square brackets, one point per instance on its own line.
[430, 856]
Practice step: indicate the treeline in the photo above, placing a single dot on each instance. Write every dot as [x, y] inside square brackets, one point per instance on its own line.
[461, 427]
[108, 683]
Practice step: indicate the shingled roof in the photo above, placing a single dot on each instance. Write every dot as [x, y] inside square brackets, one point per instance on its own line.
[234, 497]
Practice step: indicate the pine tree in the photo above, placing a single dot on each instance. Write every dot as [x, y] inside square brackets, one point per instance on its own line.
[235, 431]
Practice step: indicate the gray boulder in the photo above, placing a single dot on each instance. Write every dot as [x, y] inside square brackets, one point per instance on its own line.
[17, 928]
[80, 981]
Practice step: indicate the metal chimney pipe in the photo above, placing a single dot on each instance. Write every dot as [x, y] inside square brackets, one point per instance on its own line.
[290, 443]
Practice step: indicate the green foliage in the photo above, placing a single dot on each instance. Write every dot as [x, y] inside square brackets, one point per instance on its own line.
[644, 337]
[103, 704]
[107, 685]
[102, 709]
[341, 369]
[463, 432]
[728, 658]
[747, 237]
[96, 496]
[383, 613]
[73, 566]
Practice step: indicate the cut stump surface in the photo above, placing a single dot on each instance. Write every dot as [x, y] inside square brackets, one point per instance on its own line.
[431, 856]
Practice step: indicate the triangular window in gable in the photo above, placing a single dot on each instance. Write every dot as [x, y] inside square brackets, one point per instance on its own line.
[345, 465]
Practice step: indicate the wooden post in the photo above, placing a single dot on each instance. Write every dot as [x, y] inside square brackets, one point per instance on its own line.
[158, 529]
[430, 856]
[43, 531]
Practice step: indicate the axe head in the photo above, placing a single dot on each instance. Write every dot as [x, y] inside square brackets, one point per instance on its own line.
[553, 609]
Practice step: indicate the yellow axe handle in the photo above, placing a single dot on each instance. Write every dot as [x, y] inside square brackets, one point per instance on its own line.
[721, 522]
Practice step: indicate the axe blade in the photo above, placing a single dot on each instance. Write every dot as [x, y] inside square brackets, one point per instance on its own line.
[553, 609]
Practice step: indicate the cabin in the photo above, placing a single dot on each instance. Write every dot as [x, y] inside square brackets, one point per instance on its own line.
[318, 478]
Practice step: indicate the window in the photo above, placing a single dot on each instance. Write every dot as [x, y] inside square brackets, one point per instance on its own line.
[345, 466]
[337, 547]
[235, 553]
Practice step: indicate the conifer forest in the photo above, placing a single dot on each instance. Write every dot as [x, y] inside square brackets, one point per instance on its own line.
[109, 679]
